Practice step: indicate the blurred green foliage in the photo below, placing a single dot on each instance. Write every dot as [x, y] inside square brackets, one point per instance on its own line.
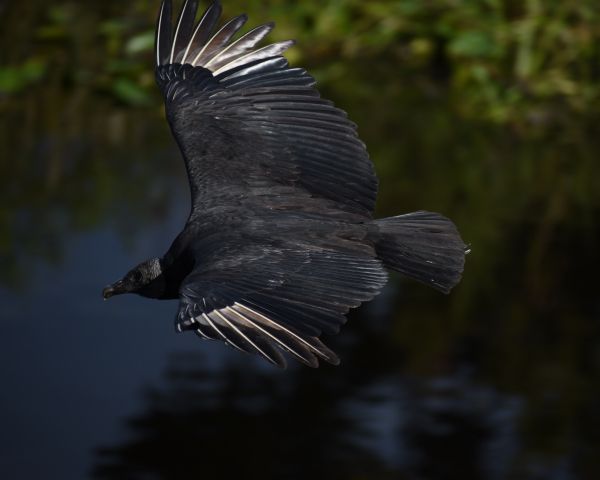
[508, 61]
[15, 78]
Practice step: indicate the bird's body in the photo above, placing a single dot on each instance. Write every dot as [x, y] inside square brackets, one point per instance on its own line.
[280, 242]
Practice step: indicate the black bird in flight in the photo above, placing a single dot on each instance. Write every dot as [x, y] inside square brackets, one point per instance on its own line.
[280, 242]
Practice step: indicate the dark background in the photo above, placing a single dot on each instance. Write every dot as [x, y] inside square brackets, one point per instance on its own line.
[485, 111]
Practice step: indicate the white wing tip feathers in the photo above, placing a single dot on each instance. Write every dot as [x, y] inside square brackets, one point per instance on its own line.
[196, 44]
[250, 331]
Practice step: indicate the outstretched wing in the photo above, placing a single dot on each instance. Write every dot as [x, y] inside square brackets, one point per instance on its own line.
[267, 297]
[246, 122]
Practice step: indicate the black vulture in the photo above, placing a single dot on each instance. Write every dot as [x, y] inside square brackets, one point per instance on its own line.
[280, 242]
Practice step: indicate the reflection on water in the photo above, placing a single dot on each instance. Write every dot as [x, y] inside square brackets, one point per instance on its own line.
[500, 380]
[350, 424]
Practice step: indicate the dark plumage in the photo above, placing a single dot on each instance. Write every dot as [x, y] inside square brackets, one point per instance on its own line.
[280, 242]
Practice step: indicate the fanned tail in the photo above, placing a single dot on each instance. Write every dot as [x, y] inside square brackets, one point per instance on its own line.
[196, 44]
[422, 245]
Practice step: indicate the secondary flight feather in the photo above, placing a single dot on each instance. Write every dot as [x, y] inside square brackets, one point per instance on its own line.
[280, 242]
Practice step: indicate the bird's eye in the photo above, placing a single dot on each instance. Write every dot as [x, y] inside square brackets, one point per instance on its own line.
[137, 276]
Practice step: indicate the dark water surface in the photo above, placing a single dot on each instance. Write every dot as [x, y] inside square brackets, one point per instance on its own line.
[499, 380]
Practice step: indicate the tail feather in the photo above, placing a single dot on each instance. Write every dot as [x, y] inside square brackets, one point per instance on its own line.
[422, 245]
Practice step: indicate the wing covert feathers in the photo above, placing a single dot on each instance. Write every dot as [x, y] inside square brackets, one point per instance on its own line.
[234, 105]
[278, 301]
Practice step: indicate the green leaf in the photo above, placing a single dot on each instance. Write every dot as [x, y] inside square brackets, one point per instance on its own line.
[14, 79]
[130, 92]
[140, 43]
[473, 44]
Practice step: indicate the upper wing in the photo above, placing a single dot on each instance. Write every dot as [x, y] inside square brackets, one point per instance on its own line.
[246, 122]
[270, 296]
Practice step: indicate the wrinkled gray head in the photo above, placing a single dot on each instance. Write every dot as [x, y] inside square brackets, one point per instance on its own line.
[145, 279]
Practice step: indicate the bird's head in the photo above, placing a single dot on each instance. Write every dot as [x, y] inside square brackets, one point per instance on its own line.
[145, 280]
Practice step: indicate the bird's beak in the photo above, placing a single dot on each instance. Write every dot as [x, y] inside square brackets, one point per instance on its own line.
[114, 289]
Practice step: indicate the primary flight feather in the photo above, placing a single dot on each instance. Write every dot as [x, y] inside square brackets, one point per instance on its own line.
[280, 242]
